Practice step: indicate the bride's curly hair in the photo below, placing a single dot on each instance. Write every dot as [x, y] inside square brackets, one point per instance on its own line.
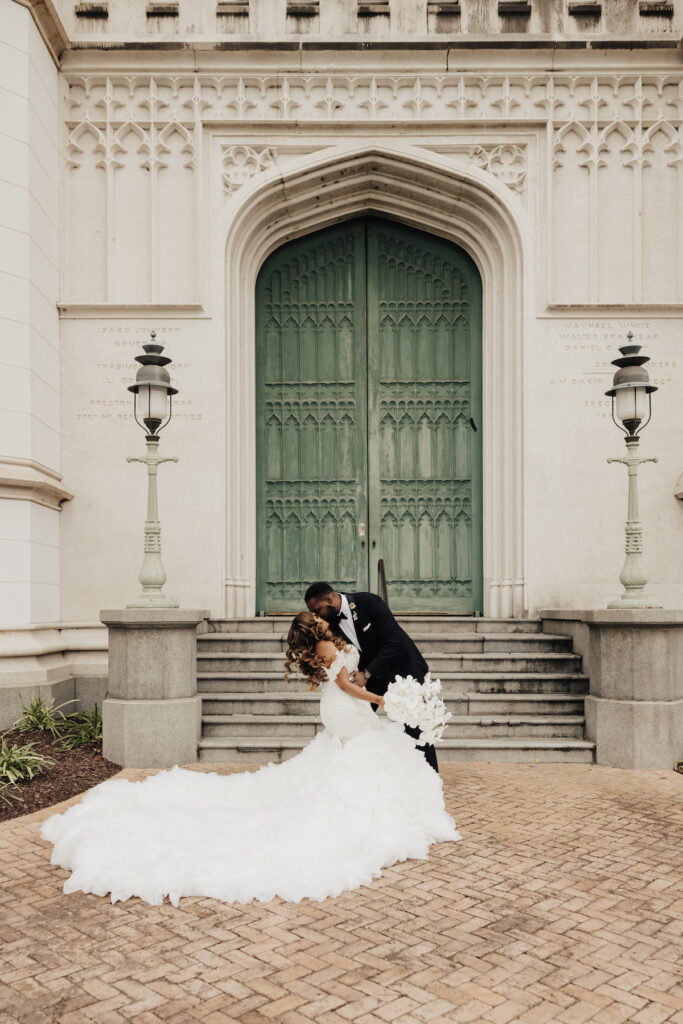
[304, 633]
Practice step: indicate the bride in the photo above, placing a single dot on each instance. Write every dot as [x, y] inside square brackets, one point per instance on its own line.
[357, 798]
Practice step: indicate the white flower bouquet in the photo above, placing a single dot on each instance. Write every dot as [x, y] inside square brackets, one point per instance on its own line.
[418, 705]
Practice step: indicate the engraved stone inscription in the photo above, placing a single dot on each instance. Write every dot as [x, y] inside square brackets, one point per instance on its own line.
[585, 351]
[117, 368]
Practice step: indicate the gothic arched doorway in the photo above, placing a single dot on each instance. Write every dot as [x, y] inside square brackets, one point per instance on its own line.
[368, 418]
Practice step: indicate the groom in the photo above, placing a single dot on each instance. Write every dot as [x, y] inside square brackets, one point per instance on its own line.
[386, 650]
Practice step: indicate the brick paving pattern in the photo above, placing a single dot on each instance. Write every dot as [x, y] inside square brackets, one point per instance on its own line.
[562, 903]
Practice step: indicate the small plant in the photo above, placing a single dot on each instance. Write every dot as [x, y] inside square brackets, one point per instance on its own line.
[20, 762]
[42, 716]
[82, 727]
[8, 796]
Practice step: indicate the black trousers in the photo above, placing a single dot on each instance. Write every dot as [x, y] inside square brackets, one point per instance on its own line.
[380, 687]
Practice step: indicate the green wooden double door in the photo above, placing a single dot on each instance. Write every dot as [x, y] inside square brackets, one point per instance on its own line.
[368, 418]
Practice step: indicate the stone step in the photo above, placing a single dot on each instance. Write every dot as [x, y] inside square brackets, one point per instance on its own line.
[291, 726]
[439, 661]
[265, 749]
[297, 704]
[417, 623]
[451, 682]
[428, 643]
[515, 693]
[551, 726]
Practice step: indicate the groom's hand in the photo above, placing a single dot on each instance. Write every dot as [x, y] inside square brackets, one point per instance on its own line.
[358, 678]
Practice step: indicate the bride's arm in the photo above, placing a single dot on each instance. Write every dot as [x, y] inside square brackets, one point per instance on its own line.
[344, 683]
[327, 650]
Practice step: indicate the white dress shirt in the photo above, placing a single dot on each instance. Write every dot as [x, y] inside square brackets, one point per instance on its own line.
[347, 625]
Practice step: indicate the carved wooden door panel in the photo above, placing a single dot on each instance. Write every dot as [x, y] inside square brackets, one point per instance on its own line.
[311, 408]
[368, 383]
[424, 453]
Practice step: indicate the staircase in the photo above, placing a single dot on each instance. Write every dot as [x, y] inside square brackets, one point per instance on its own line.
[515, 693]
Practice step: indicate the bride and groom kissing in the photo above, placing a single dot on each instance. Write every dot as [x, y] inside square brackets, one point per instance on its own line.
[358, 797]
[385, 649]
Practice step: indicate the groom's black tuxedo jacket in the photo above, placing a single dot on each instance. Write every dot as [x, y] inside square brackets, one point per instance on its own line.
[386, 650]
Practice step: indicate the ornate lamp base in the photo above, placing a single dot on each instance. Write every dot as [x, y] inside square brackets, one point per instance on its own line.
[152, 575]
[633, 575]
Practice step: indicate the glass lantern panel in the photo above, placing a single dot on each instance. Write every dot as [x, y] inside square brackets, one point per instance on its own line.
[153, 399]
[631, 404]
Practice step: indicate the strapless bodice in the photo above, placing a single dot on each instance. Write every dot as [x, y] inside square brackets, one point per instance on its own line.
[343, 714]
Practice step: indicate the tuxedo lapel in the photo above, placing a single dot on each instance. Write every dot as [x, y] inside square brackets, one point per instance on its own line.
[355, 615]
[360, 618]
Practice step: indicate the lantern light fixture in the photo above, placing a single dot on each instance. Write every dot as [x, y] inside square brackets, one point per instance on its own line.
[631, 390]
[152, 389]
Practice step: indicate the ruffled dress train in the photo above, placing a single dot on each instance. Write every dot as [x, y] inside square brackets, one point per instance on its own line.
[357, 798]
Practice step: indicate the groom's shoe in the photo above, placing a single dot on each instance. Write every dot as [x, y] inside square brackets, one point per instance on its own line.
[426, 748]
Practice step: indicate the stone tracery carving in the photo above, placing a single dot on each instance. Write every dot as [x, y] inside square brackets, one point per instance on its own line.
[585, 146]
[110, 142]
[603, 149]
[161, 147]
[507, 162]
[140, 142]
[74, 149]
[616, 119]
[218, 98]
[240, 163]
[673, 149]
[590, 105]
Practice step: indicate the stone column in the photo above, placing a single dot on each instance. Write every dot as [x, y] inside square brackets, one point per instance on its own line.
[31, 488]
[634, 658]
[151, 717]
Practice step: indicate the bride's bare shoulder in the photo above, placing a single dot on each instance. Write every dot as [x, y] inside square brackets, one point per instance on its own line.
[327, 651]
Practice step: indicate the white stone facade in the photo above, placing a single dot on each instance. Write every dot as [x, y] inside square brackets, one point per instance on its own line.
[30, 449]
[553, 156]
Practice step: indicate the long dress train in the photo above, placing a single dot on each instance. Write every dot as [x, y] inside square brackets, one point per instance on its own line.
[357, 798]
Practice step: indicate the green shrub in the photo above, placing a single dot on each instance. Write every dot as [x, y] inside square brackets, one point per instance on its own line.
[42, 716]
[82, 727]
[20, 762]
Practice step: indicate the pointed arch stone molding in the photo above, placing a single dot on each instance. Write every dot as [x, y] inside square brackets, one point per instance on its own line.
[463, 204]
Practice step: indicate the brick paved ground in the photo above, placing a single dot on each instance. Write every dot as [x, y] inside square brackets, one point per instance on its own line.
[562, 903]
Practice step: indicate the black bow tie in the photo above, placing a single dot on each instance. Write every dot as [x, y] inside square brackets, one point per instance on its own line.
[339, 617]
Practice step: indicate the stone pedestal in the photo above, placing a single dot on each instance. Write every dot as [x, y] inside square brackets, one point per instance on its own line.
[634, 657]
[152, 715]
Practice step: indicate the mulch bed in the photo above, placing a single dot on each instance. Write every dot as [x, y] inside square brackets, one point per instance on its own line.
[73, 772]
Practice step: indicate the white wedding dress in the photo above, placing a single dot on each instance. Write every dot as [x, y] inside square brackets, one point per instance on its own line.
[357, 798]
